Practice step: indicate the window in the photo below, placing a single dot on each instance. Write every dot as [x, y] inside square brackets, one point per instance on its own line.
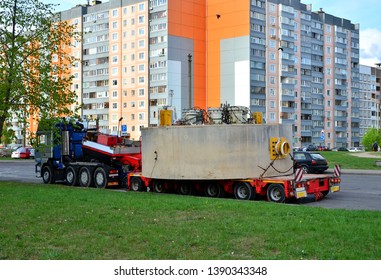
[141, 7]
[115, 105]
[115, 25]
[114, 82]
[115, 13]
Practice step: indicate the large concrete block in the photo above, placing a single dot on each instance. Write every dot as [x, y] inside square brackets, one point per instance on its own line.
[208, 152]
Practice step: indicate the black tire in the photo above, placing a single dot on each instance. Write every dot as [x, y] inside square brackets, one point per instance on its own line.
[244, 191]
[325, 193]
[84, 177]
[214, 189]
[71, 176]
[136, 184]
[305, 169]
[100, 178]
[47, 174]
[185, 188]
[158, 186]
[275, 193]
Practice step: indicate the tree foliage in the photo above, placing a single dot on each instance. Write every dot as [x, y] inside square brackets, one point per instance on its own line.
[35, 79]
[372, 135]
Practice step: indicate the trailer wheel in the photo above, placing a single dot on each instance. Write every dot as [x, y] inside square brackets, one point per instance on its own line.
[214, 189]
[185, 188]
[275, 193]
[47, 174]
[244, 191]
[85, 177]
[136, 184]
[100, 177]
[158, 186]
[71, 176]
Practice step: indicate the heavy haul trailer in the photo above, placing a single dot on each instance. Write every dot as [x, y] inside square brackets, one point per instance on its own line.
[245, 160]
[66, 154]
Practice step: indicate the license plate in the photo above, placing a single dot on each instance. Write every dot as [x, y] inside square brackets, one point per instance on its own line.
[112, 184]
[335, 188]
[300, 192]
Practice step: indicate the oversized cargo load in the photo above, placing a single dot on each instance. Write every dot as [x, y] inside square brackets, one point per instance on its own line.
[209, 152]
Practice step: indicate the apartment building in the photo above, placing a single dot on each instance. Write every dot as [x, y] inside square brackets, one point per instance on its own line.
[112, 78]
[369, 98]
[279, 57]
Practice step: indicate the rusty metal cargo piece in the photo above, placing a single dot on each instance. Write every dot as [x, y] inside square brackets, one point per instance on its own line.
[212, 152]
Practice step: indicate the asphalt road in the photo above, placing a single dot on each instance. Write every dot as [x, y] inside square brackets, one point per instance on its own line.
[360, 190]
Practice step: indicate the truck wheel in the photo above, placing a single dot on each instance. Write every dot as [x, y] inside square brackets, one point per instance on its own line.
[84, 177]
[244, 191]
[100, 178]
[275, 193]
[185, 188]
[158, 186]
[136, 184]
[47, 175]
[214, 189]
[71, 176]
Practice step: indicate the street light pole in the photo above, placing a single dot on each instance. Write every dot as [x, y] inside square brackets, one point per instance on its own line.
[190, 79]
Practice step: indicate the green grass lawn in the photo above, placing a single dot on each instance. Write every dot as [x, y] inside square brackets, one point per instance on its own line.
[59, 222]
[348, 160]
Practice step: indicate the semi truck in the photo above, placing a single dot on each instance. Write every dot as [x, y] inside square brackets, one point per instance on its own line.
[242, 160]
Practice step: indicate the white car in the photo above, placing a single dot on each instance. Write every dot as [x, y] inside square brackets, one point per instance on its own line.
[21, 152]
[355, 149]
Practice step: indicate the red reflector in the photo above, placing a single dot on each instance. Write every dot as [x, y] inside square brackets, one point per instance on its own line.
[313, 162]
[113, 171]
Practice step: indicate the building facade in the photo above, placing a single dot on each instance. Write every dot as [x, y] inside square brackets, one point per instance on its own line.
[112, 78]
[278, 57]
[369, 98]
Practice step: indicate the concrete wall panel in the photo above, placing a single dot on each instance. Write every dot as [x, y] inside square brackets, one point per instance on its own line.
[212, 152]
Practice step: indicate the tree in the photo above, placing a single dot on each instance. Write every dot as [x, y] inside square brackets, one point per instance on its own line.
[371, 135]
[35, 77]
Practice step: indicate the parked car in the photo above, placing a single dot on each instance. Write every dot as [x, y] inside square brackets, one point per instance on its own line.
[310, 148]
[355, 149]
[340, 149]
[32, 152]
[323, 148]
[21, 152]
[311, 162]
